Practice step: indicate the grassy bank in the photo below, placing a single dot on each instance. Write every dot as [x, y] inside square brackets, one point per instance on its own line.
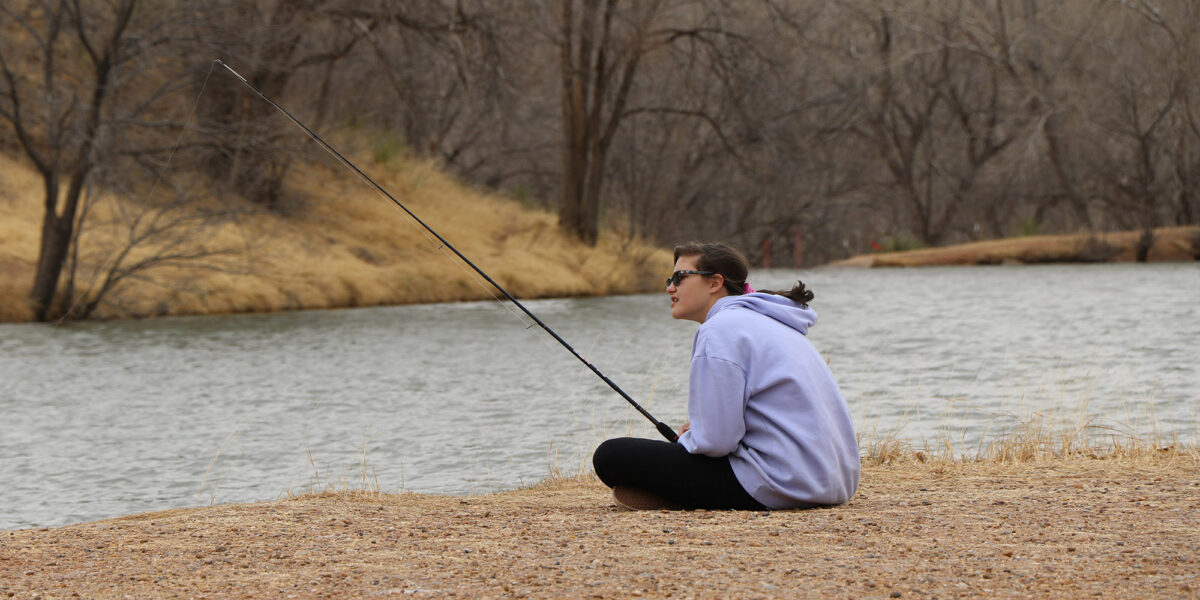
[1121, 524]
[339, 244]
[1171, 244]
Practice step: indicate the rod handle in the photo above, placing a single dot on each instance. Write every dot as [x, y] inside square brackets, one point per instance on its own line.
[667, 432]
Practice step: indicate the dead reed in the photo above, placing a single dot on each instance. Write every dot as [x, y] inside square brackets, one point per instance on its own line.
[1033, 441]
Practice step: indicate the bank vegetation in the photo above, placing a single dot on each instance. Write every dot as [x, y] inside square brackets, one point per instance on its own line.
[803, 131]
[343, 245]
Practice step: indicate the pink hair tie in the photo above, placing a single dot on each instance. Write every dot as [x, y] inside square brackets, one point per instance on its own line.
[748, 289]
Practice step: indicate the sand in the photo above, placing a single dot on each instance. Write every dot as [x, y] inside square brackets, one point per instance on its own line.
[1171, 244]
[1061, 528]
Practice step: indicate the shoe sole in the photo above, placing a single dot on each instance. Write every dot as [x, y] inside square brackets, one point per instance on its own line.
[635, 499]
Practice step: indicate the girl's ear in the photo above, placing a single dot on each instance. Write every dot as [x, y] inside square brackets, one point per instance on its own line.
[716, 282]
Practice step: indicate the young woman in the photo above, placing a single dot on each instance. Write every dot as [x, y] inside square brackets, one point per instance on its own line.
[767, 425]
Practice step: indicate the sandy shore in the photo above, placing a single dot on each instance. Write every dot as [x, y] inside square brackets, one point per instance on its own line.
[1171, 244]
[1063, 528]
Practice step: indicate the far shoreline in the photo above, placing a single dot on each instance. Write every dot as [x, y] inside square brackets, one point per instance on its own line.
[1170, 244]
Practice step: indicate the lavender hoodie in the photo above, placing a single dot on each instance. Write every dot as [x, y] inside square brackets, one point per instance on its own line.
[761, 394]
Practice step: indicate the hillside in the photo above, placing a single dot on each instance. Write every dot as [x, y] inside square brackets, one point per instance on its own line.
[340, 244]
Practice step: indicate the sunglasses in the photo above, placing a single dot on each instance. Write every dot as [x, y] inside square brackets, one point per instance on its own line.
[678, 276]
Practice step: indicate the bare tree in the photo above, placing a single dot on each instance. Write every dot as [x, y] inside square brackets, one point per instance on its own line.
[598, 63]
[1147, 166]
[450, 80]
[147, 235]
[604, 50]
[58, 108]
[93, 105]
[272, 44]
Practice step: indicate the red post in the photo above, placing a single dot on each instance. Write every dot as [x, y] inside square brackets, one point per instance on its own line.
[766, 252]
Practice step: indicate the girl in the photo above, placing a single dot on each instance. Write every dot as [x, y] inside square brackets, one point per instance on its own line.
[767, 425]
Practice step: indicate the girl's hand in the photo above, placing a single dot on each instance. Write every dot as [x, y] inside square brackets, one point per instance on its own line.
[686, 426]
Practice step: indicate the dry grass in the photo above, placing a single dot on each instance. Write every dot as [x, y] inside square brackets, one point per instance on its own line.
[1171, 244]
[344, 246]
[1042, 437]
[18, 240]
[1123, 526]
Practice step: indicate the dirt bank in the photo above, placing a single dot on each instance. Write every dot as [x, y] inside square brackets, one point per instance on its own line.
[1171, 244]
[1061, 528]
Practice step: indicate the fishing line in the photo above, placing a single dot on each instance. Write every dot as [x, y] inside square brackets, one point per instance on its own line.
[662, 428]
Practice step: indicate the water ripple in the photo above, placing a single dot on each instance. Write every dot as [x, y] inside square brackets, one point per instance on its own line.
[106, 419]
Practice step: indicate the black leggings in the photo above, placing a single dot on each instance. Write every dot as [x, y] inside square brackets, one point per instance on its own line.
[670, 471]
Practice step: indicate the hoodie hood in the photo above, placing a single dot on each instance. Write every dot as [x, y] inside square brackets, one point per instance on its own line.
[777, 307]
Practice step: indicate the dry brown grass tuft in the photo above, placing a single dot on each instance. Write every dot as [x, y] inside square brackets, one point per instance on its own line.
[16, 236]
[1033, 440]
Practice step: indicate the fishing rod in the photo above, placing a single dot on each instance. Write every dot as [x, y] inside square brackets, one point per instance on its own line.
[663, 428]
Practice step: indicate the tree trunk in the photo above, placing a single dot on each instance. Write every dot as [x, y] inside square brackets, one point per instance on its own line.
[593, 104]
[58, 231]
[575, 52]
[588, 228]
[58, 227]
[1144, 243]
[1045, 101]
[51, 254]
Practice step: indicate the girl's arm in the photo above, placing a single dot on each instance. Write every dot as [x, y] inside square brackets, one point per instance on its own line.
[716, 407]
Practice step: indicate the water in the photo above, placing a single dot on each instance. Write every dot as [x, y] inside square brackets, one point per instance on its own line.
[99, 420]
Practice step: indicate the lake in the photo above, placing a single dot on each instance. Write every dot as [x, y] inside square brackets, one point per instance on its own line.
[99, 420]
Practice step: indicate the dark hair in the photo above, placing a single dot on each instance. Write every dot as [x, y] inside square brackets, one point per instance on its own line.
[734, 267]
[798, 294]
[719, 258]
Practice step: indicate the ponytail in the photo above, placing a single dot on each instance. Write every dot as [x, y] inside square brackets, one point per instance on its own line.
[798, 294]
